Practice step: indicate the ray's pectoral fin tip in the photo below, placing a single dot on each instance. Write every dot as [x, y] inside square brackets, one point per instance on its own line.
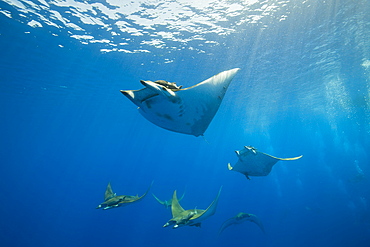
[229, 166]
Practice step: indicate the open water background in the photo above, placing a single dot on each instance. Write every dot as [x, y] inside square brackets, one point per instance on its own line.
[66, 130]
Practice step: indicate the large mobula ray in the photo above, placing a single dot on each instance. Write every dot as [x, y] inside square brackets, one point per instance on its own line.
[190, 217]
[240, 218]
[111, 200]
[184, 110]
[254, 163]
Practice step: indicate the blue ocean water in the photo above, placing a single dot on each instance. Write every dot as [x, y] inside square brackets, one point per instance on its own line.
[67, 131]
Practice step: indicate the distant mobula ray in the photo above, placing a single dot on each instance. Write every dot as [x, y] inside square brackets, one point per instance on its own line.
[111, 200]
[190, 217]
[254, 163]
[189, 110]
[167, 203]
[240, 218]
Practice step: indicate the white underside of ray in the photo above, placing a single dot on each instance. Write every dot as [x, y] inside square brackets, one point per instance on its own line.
[190, 111]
